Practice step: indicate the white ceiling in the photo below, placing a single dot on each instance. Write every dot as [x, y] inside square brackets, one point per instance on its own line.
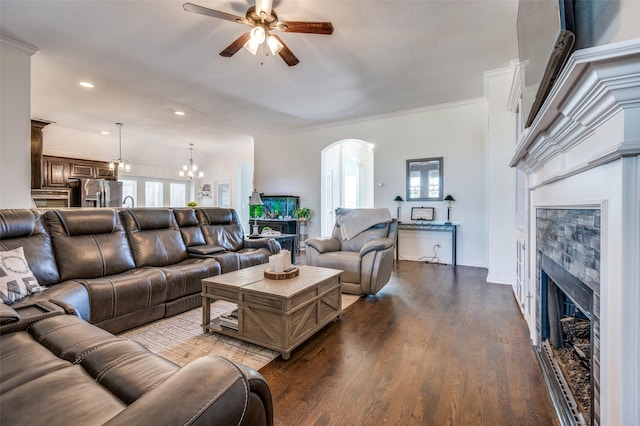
[148, 58]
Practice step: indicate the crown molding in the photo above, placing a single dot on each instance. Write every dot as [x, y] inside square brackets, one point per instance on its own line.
[19, 45]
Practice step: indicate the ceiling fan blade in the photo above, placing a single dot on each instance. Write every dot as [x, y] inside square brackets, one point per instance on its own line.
[235, 46]
[306, 27]
[286, 54]
[190, 7]
[264, 6]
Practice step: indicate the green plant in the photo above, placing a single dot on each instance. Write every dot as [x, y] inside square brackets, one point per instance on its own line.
[192, 204]
[303, 213]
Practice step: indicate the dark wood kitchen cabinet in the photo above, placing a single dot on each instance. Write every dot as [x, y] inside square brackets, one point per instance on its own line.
[58, 171]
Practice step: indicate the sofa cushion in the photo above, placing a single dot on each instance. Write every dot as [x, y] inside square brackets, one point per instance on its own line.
[221, 227]
[121, 294]
[185, 278]
[26, 228]
[89, 243]
[229, 261]
[77, 400]
[253, 256]
[347, 261]
[126, 368]
[23, 359]
[189, 227]
[154, 237]
[16, 279]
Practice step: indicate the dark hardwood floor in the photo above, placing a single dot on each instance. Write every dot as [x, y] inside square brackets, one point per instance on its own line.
[436, 346]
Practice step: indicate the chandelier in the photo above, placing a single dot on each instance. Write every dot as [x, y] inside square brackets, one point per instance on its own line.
[190, 171]
[123, 165]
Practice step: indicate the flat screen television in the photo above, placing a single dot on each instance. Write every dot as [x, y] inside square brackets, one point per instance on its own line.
[546, 39]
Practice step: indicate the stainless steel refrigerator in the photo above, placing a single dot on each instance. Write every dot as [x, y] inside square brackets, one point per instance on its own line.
[100, 193]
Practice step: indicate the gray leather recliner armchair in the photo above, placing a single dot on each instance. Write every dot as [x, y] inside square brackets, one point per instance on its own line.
[366, 258]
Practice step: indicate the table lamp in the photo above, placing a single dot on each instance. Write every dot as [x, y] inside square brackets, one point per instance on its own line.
[448, 199]
[255, 201]
[399, 200]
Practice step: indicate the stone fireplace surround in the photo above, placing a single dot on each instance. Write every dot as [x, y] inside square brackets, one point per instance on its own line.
[583, 152]
[568, 242]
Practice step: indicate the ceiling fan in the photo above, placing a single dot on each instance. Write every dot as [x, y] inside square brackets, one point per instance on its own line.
[263, 20]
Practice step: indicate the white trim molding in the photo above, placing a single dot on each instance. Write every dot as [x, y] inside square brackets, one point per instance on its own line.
[25, 47]
[596, 84]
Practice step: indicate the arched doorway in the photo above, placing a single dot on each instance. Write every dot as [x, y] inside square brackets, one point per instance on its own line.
[347, 178]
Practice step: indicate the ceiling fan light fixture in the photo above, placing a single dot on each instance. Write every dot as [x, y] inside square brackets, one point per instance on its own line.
[274, 45]
[252, 46]
[258, 35]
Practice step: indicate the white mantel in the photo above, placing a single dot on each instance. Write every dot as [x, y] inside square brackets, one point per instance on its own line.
[583, 149]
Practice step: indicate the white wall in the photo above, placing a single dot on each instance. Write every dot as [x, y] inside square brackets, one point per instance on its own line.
[501, 178]
[458, 132]
[235, 168]
[15, 127]
[624, 23]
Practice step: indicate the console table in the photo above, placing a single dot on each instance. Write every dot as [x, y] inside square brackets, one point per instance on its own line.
[426, 226]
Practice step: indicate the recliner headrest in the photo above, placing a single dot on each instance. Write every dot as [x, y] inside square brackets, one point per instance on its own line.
[88, 221]
[16, 223]
[216, 216]
[146, 218]
[186, 217]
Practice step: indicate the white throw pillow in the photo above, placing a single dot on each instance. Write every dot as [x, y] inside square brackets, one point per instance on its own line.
[16, 279]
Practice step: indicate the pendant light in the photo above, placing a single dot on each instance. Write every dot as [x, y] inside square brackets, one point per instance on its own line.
[122, 165]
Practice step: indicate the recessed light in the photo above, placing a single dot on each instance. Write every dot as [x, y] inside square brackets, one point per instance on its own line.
[179, 113]
[104, 132]
[86, 84]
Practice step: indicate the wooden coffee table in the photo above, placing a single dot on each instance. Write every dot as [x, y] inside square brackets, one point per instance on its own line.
[277, 314]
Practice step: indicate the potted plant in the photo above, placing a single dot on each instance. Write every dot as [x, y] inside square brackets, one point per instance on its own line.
[303, 214]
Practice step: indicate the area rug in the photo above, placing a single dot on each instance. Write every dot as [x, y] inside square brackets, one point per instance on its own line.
[180, 338]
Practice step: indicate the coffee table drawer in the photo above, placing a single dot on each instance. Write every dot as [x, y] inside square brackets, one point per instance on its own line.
[223, 293]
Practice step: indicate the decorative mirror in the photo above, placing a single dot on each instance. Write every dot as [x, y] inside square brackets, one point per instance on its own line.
[424, 179]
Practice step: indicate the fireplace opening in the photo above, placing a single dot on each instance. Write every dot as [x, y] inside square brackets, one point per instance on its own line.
[570, 342]
[566, 351]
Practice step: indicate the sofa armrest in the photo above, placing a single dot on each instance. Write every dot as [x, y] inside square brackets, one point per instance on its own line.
[8, 314]
[269, 243]
[324, 245]
[377, 245]
[212, 390]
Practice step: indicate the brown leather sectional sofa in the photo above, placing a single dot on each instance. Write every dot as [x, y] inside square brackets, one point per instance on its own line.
[119, 269]
[116, 269]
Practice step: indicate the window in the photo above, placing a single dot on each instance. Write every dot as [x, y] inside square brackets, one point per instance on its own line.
[153, 194]
[177, 194]
[424, 179]
[129, 189]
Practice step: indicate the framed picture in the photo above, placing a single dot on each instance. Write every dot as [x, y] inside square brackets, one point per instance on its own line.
[422, 213]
